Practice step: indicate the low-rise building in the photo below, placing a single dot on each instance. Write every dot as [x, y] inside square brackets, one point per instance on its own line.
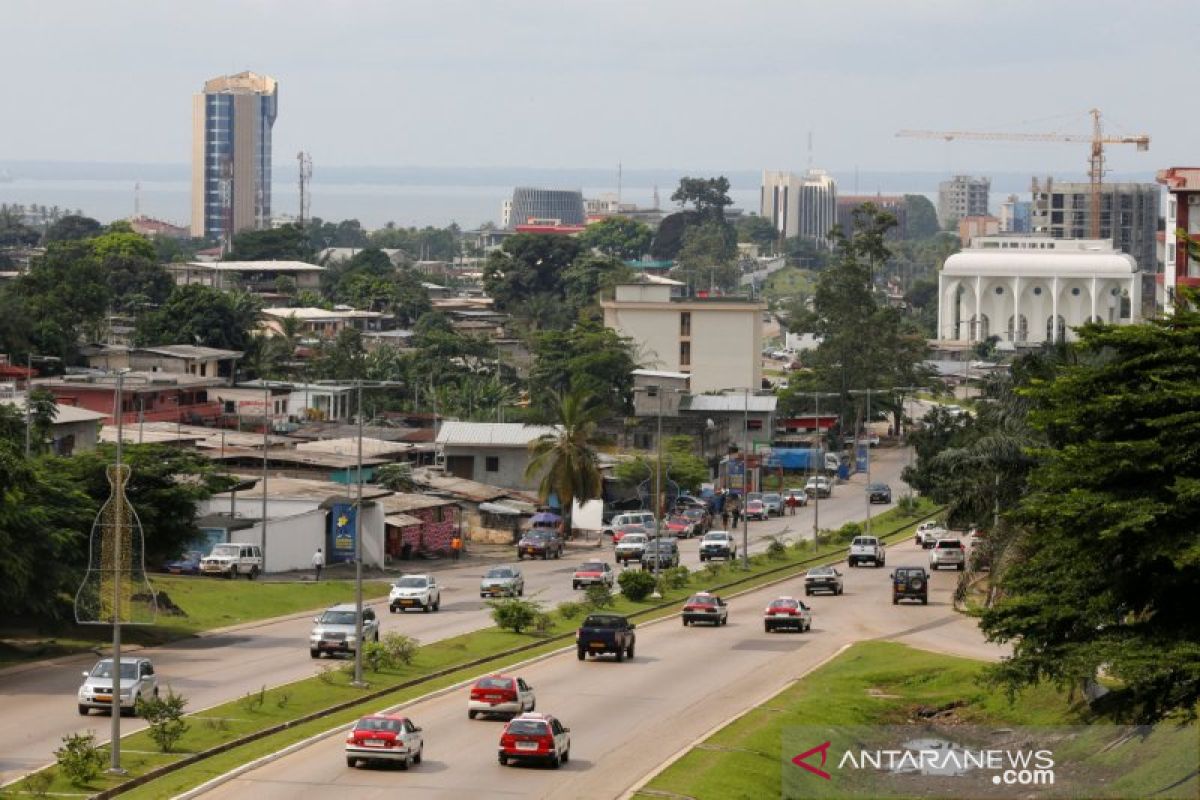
[260, 277]
[320, 323]
[74, 430]
[145, 395]
[185, 359]
[493, 452]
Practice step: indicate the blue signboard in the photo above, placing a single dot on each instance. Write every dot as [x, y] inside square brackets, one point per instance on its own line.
[341, 534]
[735, 473]
[860, 457]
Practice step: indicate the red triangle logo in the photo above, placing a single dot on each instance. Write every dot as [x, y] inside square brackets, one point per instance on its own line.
[800, 760]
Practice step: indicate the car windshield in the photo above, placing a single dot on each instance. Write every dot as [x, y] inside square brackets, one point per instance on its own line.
[906, 572]
[411, 583]
[716, 537]
[604, 621]
[949, 544]
[224, 550]
[878, 487]
[784, 604]
[537, 535]
[528, 727]
[864, 541]
[752, 496]
[694, 513]
[634, 538]
[499, 572]
[702, 600]
[379, 724]
[337, 618]
[591, 566]
[821, 571]
[494, 683]
[105, 670]
[773, 498]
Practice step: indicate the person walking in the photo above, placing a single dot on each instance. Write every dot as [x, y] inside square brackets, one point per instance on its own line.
[791, 504]
[736, 514]
[455, 547]
[725, 519]
[318, 562]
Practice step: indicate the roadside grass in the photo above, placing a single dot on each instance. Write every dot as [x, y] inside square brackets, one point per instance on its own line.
[203, 604]
[261, 710]
[884, 683]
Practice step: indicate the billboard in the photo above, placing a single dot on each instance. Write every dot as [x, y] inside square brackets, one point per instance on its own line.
[341, 534]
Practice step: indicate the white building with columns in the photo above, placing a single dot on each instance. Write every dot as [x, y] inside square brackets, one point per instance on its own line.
[1016, 287]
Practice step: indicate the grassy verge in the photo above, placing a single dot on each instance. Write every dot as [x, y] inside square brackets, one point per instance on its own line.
[196, 605]
[281, 705]
[883, 683]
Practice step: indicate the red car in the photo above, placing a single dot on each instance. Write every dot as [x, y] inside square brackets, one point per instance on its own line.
[535, 737]
[500, 694]
[680, 526]
[787, 612]
[705, 607]
[756, 509]
[384, 737]
[592, 573]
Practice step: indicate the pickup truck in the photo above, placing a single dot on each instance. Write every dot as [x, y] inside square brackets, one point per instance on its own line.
[605, 633]
[866, 548]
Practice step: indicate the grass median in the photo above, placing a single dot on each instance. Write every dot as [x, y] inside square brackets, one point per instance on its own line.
[889, 684]
[457, 657]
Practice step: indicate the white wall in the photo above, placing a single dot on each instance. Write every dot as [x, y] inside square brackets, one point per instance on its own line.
[588, 516]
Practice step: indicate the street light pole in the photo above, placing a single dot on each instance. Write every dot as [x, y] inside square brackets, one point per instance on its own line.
[115, 733]
[867, 421]
[358, 590]
[745, 477]
[817, 491]
[658, 504]
[266, 428]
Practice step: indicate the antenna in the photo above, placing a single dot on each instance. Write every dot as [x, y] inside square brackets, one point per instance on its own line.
[619, 176]
[656, 197]
[810, 151]
[137, 200]
[305, 161]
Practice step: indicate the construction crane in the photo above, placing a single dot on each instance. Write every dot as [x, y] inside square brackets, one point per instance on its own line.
[1095, 163]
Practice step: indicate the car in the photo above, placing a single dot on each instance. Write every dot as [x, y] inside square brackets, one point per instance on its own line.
[535, 737]
[620, 533]
[700, 518]
[500, 694]
[705, 607]
[643, 520]
[718, 544]
[756, 509]
[686, 501]
[138, 682]
[631, 547]
[502, 582]
[186, 564]
[774, 503]
[415, 591]
[679, 526]
[664, 552]
[928, 533]
[879, 493]
[539, 543]
[798, 493]
[233, 559]
[753, 496]
[335, 630]
[910, 583]
[870, 438]
[605, 633]
[592, 573]
[866, 548]
[384, 738]
[787, 612]
[818, 486]
[948, 553]
[823, 579]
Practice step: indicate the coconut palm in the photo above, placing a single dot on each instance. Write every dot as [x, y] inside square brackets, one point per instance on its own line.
[566, 459]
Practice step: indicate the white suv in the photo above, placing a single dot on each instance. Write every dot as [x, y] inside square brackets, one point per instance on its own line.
[415, 591]
[233, 559]
[643, 518]
[948, 553]
[866, 548]
[137, 681]
[335, 630]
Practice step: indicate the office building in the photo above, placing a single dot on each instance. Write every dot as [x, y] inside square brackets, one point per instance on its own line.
[231, 154]
[1016, 215]
[1180, 267]
[1063, 211]
[552, 207]
[962, 196]
[799, 205]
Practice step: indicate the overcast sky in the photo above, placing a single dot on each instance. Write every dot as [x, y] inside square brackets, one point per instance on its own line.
[651, 83]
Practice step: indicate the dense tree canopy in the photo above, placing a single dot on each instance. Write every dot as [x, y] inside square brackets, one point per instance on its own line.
[590, 358]
[528, 265]
[285, 243]
[682, 464]
[709, 196]
[71, 228]
[618, 237]
[196, 314]
[920, 217]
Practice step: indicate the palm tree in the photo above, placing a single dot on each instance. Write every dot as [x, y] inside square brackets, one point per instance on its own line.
[566, 459]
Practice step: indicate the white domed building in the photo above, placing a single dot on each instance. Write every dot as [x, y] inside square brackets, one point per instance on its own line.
[1017, 287]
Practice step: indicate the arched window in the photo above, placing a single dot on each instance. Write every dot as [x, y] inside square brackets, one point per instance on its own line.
[1062, 329]
[1021, 333]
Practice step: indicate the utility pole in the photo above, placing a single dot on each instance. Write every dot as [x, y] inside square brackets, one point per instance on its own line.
[118, 548]
[658, 498]
[817, 493]
[901, 390]
[745, 477]
[857, 438]
[358, 591]
[266, 441]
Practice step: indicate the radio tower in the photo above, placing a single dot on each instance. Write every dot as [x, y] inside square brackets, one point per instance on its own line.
[305, 161]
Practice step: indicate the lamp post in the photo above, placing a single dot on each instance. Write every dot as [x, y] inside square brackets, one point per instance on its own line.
[817, 490]
[745, 477]
[654, 390]
[29, 358]
[868, 393]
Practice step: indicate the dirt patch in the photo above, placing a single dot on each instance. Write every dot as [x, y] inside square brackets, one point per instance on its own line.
[165, 604]
[881, 694]
[946, 714]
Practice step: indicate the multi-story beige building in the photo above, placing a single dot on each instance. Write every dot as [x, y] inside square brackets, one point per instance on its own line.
[716, 340]
[231, 154]
[799, 205]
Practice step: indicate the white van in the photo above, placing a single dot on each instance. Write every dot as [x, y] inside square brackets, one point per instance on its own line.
[233, 559]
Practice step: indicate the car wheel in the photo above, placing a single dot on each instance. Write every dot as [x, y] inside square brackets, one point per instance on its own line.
[766, 628]
[315, 653]
[961, 567]
[393, 609]
[685, 623]
[558, 555]
[556, 761]
[851, 563]
[521, 591]
[881, 562]
[807, 593]
[520, 556]
[403, 765]
[533, 704]
[351, 762]
[253, 573]
[503, 760]
[839, 590]
[628, 654]
[233, 573]
[895, 600]
[724, 620]
[417, 757]
[620, 655]
[566, 755]
[472, 714]
[703, 558]
[924, 601]
[437, 604]
[581, 654]
[84, 711]
[575, 585]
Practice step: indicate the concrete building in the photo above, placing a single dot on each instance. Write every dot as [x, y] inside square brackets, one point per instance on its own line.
[894, 204]
[495, 453]
[74, 430]
[799, 205]
[715, 340]
[554, 207]
[972, 228]
[1016, 216]
[231, 154]
[1063, 211]
[1029, 290]
[146, 396]
[259, 277]
[1183, 213]
[185, 359]
[320, 323]
[962, 196]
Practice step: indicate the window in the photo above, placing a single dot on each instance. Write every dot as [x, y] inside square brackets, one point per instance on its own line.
[491, 464]
[685, 323]
[754, 424]
[685, 354]
[1075, 291]
[999, 290]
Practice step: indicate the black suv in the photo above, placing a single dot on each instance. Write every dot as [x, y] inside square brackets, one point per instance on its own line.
[539, 543]
[664, 551]
[910, 583]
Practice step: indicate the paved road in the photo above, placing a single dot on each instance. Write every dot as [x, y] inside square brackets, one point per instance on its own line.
[40, 703]
[629, 718]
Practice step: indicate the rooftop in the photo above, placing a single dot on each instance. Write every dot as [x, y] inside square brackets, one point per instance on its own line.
[757, 403]
[136, 381]
[320, 313]
[348, 446]
[306, 489]
[64, 415]
[188, 351]
[490, 434]
[256, 266]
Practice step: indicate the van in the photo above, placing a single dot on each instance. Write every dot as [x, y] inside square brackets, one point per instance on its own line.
[233, 559]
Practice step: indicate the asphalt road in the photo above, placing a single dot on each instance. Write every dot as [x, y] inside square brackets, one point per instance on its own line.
[213, 669]
[626, 719]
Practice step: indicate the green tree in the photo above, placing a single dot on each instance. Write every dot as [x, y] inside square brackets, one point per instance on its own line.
[565, 462]
[706, 259]
[920, 217]
[668, 239]
[588, 358]
[754, 229]
[590, 276]
[196, 314]
[71, 228]
[528, 265]
[285, 243]
[710, 196]
[617, 237]
[66, 298]
[135, 277]
[679, 458]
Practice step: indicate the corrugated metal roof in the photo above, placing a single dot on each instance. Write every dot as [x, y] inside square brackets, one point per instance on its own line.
[732, 402]
[490, 434]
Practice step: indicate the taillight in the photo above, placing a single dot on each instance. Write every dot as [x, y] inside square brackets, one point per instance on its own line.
[508, 694]
[546, 742]
[476, 693]
[351, 740]
[507, 740]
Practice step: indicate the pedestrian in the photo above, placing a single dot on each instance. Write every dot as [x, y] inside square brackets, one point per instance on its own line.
[791, 504]
[725, 519]
[737, 515]
[318, 562]
[455, 547]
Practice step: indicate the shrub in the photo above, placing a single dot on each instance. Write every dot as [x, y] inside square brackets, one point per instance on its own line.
[776, 549]
[713, 570]
[38, 783]
[253, 701]
[636, 584]
[908, 505]
[283, 698]
[514, 614]
[676, 577]
[216, 723]
[79, 758]
[847, 532]
[542, 622]
[164, 716]
[598, 597]
[569, 609]
[392, 651]
[327, 675]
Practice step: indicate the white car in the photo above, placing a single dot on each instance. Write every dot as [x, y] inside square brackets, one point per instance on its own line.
[643, 518]
[631, 547]
[798, 493]
[928, 533]
[415, 591]
[500, 694]
[137, 681]
[336, 631]
[819, 486]
[866, 548]
[388, 738]
[787, 612]
[233, 559]
[948, 553]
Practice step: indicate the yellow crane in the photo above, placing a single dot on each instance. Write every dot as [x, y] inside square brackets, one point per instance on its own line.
[1097, 139]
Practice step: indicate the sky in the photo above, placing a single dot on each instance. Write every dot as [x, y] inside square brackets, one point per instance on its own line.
[690, 84]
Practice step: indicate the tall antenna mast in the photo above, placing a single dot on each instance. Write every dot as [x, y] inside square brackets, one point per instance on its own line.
[810, 151]
[305, 161]
[656, 197]
[137, 199]
[619, 177]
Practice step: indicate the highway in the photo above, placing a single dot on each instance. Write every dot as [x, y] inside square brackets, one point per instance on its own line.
[212, 669]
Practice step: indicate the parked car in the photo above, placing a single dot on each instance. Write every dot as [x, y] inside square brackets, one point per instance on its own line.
[756, 509]
[233, 559]
[705, 607]
[910, 583]
[823, 579]
[500, 694]
[186, 564]
[866, 548]
[502, 582]
[605, 633]
[818, 486]
[948, 553]
[386, 738]
[592, 573]
[870, 438]
[700, 518]
[631, 547]
[138, 681]
[679, 526]
[774, 503]
[787, 612]
[640, 519]
[335, 630]
[928, 533]
[415, 591]
[539, 544]
[879, 493]
[664, 552]
[718, 544]
[535, 737]
[798, 493]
